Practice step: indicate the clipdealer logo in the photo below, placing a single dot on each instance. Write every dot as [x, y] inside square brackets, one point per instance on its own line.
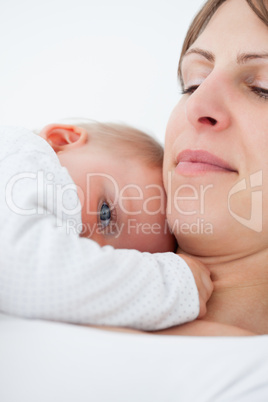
[255, 220]
[52, 195]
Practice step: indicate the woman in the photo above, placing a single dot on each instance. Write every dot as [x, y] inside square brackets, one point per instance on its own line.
[216, 155]
[216, 165]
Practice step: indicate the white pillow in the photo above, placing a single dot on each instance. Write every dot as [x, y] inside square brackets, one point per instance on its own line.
[52, 362]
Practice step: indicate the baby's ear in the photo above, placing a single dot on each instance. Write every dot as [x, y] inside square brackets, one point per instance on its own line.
[63, 137]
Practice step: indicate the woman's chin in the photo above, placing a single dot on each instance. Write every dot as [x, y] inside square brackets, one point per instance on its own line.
[196, 245]
[202, 236]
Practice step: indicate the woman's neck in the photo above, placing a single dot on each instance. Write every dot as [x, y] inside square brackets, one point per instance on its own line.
[240, 296]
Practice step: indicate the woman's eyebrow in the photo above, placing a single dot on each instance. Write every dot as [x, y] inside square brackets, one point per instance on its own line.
[205, 53]
[242, 58]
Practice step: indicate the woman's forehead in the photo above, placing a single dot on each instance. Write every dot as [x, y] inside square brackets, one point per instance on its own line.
[234, 24]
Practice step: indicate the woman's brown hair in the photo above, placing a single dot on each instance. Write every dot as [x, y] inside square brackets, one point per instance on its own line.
[205, 14]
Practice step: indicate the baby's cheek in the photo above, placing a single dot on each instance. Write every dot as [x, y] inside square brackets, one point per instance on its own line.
[154, 237]
[145, 240]
[165, 243]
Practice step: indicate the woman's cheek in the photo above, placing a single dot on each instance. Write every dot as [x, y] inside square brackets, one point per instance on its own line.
[175, 128]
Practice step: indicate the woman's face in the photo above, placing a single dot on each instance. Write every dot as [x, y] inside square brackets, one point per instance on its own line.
[216, 151]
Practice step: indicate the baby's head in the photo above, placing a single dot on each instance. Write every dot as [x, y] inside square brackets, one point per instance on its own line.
[118, 173]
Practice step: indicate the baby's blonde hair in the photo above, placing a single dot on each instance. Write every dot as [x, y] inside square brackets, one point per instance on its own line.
[125, 140]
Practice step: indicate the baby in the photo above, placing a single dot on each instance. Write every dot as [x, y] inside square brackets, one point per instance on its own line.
[67, 196]
[118, 174]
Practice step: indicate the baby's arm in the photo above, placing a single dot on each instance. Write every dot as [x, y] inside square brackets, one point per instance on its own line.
[49, 272]
[203, 282]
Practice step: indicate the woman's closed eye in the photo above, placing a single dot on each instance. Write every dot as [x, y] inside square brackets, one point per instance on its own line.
[189, 90]
[260, 92]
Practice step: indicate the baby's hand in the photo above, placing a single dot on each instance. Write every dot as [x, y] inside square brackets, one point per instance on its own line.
[202, 279]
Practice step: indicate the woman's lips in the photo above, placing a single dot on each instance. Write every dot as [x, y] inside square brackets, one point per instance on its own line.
[191, 162]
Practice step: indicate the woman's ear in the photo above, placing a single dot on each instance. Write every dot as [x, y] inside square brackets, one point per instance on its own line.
[63, 137]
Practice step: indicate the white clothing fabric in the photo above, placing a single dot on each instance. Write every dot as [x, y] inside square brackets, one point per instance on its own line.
[48, 271]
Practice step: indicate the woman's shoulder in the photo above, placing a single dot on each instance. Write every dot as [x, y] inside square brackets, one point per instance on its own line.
[194, 328]
[206, 328]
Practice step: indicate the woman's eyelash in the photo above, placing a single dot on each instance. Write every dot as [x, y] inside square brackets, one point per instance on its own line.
[189, 90]
[261, 92]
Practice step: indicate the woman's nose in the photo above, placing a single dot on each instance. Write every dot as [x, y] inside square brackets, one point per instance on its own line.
[208, 108]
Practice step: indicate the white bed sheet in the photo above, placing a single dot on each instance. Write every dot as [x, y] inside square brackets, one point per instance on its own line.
[52, 362]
